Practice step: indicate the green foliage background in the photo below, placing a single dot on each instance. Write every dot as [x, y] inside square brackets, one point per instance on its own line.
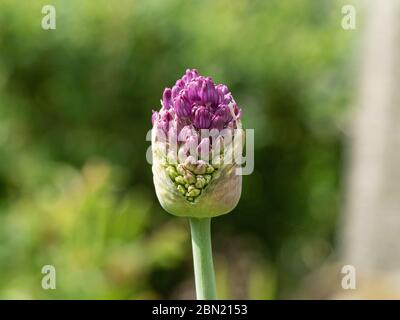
[75, 104]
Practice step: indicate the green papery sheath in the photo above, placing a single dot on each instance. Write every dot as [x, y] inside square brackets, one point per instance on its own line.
[219, 196]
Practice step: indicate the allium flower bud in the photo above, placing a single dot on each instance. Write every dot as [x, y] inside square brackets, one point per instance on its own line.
[189, 75]
[180, 83]
[175, 91]
[202, 118]
[208, 93]
[224, 112]
[222, 90]
[167, 96]
[201, 182]
[182, 105]
[217, 122]
[193, 90]
[165, 118]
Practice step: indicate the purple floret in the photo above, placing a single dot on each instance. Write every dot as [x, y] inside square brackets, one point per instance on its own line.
[196, 101]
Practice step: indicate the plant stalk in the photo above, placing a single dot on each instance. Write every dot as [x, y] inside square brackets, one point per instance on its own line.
[202, 258]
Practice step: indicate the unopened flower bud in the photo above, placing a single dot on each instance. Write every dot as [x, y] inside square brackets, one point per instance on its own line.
[180, 180]
[202, 118]
[181, 169]
[193, 192]
[210, 169]
[208, 93]
[172, 172]
[190, 186]
[181, 190]
[167, 97]
[200, 182]
[182, 106]
[201, 167]
[190, 178]
[190, 163]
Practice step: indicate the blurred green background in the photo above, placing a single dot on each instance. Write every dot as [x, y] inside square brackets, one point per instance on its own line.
[75, 105]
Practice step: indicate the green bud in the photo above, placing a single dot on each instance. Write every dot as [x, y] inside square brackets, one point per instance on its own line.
[200, 182]
[193, 192]
[172, 172]
[213, 193]
[201, 168]
[181, 169]
[190, 178]
[210, 169]
[180, 180]
[181, 190]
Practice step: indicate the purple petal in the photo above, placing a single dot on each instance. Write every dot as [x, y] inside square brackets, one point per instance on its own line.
[222, 90]
[202, 118]
[193, 91]
[224, 112]
[182, 105]
[190, 75]
[217, 122]
[227, 99]
[165, 118]
[208, 94]
[195, 102]
[180, 84]
[167, 98]
[175, 91]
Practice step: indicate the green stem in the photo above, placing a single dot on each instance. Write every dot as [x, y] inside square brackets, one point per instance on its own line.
[202, 258]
